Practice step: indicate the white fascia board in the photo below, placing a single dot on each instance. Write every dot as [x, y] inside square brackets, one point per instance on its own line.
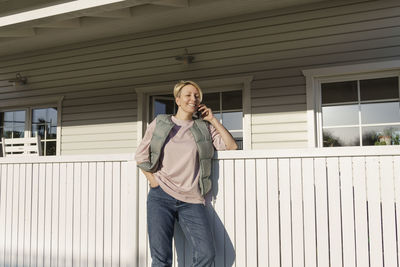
[55, 10]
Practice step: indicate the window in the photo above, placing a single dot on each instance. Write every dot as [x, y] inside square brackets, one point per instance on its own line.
[360, 112]
[226, 106]
[29, 122]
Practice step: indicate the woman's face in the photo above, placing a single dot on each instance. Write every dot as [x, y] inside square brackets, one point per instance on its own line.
[189, 99]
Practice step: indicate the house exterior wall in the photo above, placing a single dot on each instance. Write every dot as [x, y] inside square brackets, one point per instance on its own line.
[98, 79]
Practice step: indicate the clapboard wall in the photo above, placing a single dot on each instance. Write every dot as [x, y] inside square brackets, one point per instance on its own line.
[98, 78]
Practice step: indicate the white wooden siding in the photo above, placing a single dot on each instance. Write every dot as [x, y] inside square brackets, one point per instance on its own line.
[98, 78]
[304, 207]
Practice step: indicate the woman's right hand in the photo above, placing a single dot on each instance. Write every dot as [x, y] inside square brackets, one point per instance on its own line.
[154, 183]
[150, 177]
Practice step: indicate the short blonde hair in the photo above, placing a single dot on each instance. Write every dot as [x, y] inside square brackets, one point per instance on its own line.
[178, 88]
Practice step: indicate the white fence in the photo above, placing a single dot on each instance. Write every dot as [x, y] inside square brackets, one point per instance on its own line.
[318, 207]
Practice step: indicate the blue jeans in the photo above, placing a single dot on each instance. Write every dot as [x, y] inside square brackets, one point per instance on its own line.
[162, 211]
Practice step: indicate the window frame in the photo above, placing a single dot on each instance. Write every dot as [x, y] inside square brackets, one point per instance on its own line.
[315, 77]
[33, 103]
[208, 86]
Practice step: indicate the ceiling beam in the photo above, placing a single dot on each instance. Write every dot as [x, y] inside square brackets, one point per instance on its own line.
[65, 24]
[7, 32]
[120, 13]
[171, 3]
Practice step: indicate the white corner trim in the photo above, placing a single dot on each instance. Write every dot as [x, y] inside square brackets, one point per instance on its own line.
[353, 69]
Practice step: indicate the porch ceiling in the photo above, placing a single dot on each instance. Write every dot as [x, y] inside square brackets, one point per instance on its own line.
[27, 25]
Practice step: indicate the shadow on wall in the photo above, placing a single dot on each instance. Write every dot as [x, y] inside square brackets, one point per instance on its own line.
[224, 249]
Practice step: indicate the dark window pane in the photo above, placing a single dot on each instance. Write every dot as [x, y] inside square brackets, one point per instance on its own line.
[52, 133]
[13, 123]
[341, 137]
[50, 148]
[211, 100]
[383, 88]
[380, 112]
[19, 116]
[164, 106]
[39, 115]
[381, 135]
[340, 115]
[232, 100]
[339, 92]
[52, 116]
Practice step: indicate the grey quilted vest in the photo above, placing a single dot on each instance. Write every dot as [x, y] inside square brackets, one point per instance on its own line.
[204, 144]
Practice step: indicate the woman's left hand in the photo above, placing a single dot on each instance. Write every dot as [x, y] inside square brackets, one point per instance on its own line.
[206, 113]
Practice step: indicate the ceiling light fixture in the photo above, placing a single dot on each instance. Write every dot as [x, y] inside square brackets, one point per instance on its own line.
[18, 80]
[186, 58]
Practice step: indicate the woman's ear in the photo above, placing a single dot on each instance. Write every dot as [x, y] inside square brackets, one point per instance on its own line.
[177, 101]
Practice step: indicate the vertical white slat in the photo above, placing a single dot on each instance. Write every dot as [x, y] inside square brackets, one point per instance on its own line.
[346, 182]
[77, 205]
[21, 215]
[144, 253]
[262, 212]
[28, 213]
[388, 210]
[15, 212]
[210, 201]
[396, 177]
[229, 190]
[321, 196]
[61, 258]
[116, 213]
[219, 218]
[91, 255]
[374, 211]
[335, 224]
[129, 202]
[55, 213]
[3, 216]
[310, 246]
[69, 215]
[35, 207]
[240, 210]
[297, 212]
[285, 212]
[41, 214]
[360, 211]
[100, 214]
[108, 189]
[174, 248]
[251, 212]
[9, 214]
[48, 206]
[273, 213]
[84, 214]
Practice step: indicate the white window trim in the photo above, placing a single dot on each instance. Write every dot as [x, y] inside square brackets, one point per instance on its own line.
[37, 102]
[244, 82]
[314, 78]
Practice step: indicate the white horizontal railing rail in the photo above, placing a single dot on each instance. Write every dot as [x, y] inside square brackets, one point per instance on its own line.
[298, 207]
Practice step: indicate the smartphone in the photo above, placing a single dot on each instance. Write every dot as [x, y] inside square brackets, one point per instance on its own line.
[198, 114]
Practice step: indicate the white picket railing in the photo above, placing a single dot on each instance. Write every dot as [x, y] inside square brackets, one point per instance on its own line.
[306, 207]
[68, 211]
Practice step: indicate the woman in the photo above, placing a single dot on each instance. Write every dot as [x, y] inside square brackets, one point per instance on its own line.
[175, 156]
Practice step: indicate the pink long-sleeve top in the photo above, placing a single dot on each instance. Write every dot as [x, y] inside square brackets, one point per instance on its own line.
[178, 171]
